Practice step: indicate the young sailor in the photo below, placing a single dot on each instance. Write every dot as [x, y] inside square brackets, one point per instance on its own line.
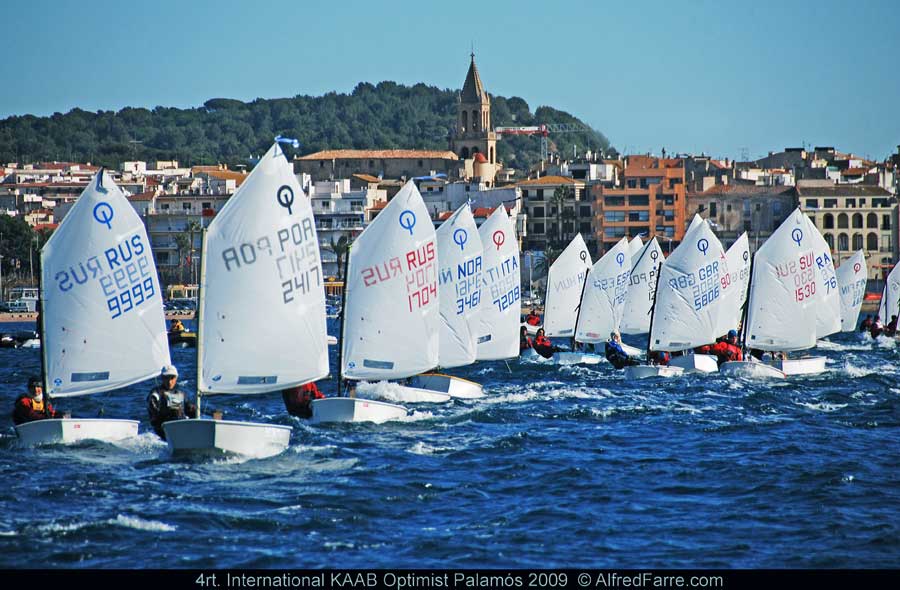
[543, 346]
[167, 402]
[31, 406]
[615, 354]
[524, 340]
[297, 400]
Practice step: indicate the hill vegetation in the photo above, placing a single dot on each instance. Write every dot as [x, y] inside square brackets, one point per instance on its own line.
[384, 116]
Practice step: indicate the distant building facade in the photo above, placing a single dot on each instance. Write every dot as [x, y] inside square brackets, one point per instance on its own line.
[738, 208]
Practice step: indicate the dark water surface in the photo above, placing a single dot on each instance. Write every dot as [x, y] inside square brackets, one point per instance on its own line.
[558, 466]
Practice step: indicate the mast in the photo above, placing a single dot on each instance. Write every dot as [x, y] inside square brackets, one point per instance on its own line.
[587, 273]
[340, 359]
[653, 310]
[201, 305]
[42, 334]
[746, 314]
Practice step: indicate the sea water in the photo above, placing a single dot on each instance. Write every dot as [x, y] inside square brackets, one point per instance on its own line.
[556, 466]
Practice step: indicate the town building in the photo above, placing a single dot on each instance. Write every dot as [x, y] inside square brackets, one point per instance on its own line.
[558, 207]
[473, 138]
[737, 208]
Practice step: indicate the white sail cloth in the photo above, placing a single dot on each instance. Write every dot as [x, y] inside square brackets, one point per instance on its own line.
[734, 292]
[851, 276]
[641, 287]
[392, 313]
[262, 294]
[102, 306]
[565, 282]
[500, 315]
[781, 312]
[460, 287]
[890, 296]
[827, 297]
[689, 296]
[604, 295]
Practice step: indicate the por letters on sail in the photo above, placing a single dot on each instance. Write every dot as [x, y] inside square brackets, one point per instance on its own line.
[501, 312]
[827, 297]
[689, 297]
[641, 287]
[851, 277]
[565, 282]
[604, 295]
[781, 311]
[263, 270]
[102, 306]
[460, 285]
[890, 296]
[734, 291]
[392, 313]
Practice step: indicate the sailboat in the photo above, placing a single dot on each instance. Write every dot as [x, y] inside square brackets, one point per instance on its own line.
[499, 318]
[635, 246]
[259, 253]
[602, 302]
[734, 285]
[688, 303]
[641, 289]
[460, 256]
[851, 277]
[890, 296]
[781, 311]
[391, 316]
[565, 284]
[102, 324]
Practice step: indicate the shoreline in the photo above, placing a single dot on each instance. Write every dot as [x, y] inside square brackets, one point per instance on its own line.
[32, 316]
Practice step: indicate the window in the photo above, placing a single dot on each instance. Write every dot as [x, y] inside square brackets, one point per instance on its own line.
[828, 221]
[584, 227]
[321, 164]
[843, 243]
[538, 228]
[638, 200]
[206, 205]
[614, 216]
[186, 206]
[538, 211]
[614, 232]
[420, 163]
[525, 193]
[857, 241]
[842, 221]
[632, 183]
[585, 211]
[552, 211]
[885, 243]
[712, 209]
[849, 202]
[669, 215]
[872, 241]
[829, 239]
[540, 194]
[885, 222]
[728, 207]
[614, 201]
[639, 216]
[701, 208]
[857, 221]
[757, 206]
[830, 203]
[164, 206]
[871, 220]
[371, 163]
[812, 203]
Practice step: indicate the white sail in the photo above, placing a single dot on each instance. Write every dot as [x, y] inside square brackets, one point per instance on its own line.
[851, 276]
[734, 285]
[461, 262]
[392, 314]
[781, 314]
[890, 296]
[604, 295]
[634, 246]
[263, 299]
[102, 305]
[500, 315]
[689, 296]
[697, 220]
[565, 282]
[641, 287]
[827, 298]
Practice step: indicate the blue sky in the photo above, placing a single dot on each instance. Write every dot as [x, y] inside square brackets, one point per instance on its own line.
[694, 76]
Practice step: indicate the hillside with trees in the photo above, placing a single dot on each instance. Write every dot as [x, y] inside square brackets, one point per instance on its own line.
[384, 116]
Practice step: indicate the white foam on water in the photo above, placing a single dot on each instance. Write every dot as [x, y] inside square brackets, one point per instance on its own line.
[55, 527]
[422, 448]
[821, 406]
[8, 534]
[417, 415]
[885, 342]
[133, 522]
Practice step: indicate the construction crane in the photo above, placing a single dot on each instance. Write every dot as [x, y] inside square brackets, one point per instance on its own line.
[544, 129]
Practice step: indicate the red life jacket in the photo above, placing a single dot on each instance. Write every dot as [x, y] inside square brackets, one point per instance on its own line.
[542, 341]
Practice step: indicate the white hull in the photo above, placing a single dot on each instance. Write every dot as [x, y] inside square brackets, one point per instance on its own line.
[31, 343]
[531, 356]
[348, 409]
[696, 363]
[576, 358]
[750, 370]
[810, 365]
[452, 386]
[226, 437]
[71, 430]
[405, 394]
[649, 371]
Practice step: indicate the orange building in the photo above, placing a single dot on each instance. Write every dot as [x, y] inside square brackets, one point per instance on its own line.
[650, 200]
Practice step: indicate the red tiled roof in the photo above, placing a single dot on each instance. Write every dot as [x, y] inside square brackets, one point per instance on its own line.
[378, 205]
[854, 172]
[145, 196]
[380, 155]
[367, 178]
[548, 181]
[43, 226]
[444, 215]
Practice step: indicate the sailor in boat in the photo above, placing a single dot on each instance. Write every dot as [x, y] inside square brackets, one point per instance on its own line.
[167, 402]
[727, 349]
[298, 400]
[176, 328]
[877, 328]
[866, 324]
[533, 319]
[660, 357]
[524, 340]
[31, 406]
[543, 346]
[891, 328]
[615, 354]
